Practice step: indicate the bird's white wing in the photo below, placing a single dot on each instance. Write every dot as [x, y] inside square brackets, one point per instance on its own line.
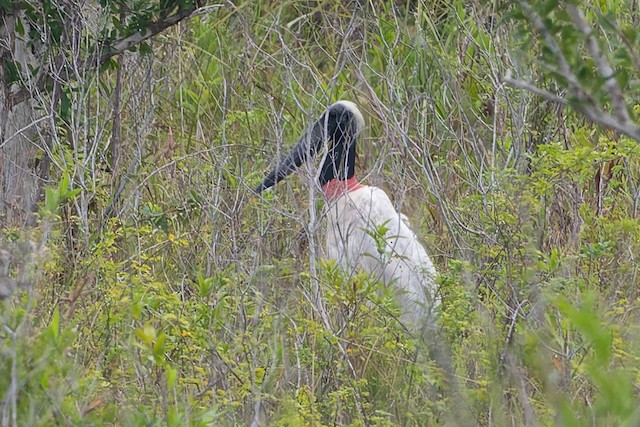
[366, 232]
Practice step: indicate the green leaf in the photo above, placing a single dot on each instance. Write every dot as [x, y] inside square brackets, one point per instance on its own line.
[631, 33]
[19, 26]
[65, 104]
[145, 48]
[72, 193]
[146, 334]
[6, 5]
[547, 7]
[63, 186]
[51, 201]
[585, 320]
[54, 326]
[158, 348]
[13, 71]
[172, 376]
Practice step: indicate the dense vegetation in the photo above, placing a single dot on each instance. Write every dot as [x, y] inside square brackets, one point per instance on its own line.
[150, 286]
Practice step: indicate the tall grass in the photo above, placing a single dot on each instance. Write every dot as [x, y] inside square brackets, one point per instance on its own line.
[187, 300]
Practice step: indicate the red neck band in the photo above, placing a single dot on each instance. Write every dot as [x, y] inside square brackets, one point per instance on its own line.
[335, 188]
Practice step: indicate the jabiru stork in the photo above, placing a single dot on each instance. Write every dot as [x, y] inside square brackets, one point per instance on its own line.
[365, 231]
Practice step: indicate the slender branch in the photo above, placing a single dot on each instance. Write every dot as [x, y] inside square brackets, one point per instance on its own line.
[593, 113]
[155, 28]
[530, 87]
[621, 122]
[115, 48]
[538, 24]
[565, 69]
[605, 69]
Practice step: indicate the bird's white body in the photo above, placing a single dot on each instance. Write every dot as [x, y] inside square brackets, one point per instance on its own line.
[357, 214]
[356, 221]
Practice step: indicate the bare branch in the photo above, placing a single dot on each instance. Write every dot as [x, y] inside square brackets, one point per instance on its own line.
[115, 48]
[605, 69]
[538, 24]
[586, 105]
[565, 69]
[593, 113]
[530, 87]
[134, 39]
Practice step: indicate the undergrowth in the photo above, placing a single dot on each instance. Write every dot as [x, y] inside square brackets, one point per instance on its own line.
[190, 301]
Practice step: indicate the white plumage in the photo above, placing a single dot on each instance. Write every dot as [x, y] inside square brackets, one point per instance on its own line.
[355, 221]
[364, 229]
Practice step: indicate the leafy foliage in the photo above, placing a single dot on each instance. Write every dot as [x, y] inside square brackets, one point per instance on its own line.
[168, 294]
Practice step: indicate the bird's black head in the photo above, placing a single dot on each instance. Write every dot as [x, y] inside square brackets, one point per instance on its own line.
[338, 127]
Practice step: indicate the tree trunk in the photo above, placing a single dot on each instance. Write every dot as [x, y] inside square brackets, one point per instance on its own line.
[18, 146]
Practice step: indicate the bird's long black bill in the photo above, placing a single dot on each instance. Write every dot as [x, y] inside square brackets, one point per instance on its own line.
[306, 148]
